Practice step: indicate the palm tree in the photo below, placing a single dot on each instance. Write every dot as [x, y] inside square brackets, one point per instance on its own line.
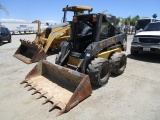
[135, 19]
[123, 21]
[154, 15]
[128, 20]
[3, 9]
[118, 20]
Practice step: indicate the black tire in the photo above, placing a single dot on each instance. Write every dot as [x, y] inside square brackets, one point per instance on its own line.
[60, 45]
[99, 71]
[58, 57]
[9, 41]
[62, 52]
[1, 42]
[118, 62]
[133, 52]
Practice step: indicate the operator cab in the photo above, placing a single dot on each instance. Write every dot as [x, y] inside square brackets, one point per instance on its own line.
[97, 28]
[76, 10]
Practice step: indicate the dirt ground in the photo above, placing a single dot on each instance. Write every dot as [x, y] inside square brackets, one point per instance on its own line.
[134, 95]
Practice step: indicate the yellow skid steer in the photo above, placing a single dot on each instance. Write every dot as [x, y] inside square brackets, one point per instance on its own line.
[89, 57]
[65, 84]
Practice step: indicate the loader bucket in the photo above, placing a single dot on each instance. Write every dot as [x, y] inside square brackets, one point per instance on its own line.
[30, 52]
[61, 86]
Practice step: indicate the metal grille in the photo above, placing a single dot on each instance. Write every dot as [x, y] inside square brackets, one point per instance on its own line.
[149, 40]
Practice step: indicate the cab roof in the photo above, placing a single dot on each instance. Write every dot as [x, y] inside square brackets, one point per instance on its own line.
[78, 8]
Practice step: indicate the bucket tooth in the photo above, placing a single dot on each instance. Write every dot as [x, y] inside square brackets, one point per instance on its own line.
[22, 40]
[42, 94]
[52, 100]
[36, 91]
[54, 105]
[47, 100]
[61, 105]
[32, 86]
[24, 81]
[28, 84]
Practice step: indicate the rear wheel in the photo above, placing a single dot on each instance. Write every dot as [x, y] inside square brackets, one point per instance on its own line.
[9, 41]
[118, 61]
[99, 71]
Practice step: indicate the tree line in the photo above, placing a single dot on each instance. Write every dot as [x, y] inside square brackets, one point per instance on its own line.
[130, 20]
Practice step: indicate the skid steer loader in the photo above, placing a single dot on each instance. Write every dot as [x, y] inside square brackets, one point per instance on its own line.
[50, 38]
[88, 58]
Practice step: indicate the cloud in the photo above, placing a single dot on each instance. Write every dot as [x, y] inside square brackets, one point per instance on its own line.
[20, 20]
[11, 20]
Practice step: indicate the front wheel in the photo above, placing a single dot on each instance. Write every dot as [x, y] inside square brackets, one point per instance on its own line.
[99, 71]
[60, 45]
[58, 58]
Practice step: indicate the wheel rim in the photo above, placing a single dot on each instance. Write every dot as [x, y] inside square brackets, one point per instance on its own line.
[122, 63]
[105, 72]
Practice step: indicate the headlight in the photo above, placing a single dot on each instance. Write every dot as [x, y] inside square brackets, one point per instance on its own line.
[135, 39]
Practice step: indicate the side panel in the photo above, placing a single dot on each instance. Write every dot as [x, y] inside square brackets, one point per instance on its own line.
[107, 53]
[97, 47]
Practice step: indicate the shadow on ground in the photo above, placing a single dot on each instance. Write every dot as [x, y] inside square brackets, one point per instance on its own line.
[146, 57]
[4, 42]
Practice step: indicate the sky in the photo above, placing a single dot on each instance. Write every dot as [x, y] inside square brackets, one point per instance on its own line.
[51, 10]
